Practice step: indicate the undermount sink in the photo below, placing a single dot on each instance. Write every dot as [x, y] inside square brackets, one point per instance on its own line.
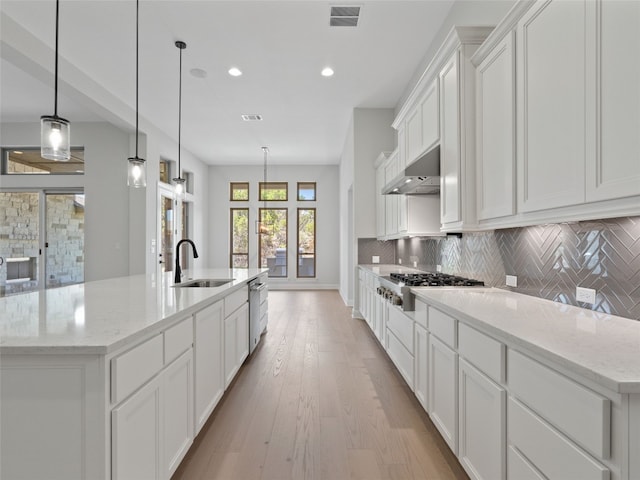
[205, 282]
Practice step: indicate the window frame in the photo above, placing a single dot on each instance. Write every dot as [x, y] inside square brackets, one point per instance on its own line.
[315, 228]
[232, 253]
[263, 186]
[315, 192]
[231, 190]
[286, 233]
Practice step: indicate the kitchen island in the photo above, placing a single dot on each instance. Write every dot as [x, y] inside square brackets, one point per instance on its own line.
[112, 379]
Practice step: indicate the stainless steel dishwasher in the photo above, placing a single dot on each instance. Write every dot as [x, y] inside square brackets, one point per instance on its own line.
[257, 293]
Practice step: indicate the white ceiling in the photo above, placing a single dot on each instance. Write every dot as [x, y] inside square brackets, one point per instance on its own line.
[281, 46]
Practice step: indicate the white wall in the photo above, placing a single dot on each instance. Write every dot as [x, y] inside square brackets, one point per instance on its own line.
[369, 133]
[327, 217]
[120, 223]
[106, 149]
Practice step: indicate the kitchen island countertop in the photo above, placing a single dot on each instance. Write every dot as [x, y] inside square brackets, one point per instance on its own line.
[102, 316]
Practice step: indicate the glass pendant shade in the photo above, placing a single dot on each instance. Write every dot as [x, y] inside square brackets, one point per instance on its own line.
[55, 138]
[179, 187]
[137, 175]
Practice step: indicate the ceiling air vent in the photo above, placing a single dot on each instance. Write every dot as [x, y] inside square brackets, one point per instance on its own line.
[346, 16]
[251, 117]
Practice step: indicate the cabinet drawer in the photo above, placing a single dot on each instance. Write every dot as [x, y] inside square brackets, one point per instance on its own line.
[402, 327]
[264, 308]
[442, 326]
[519, 468]
[484, 352]
[130, 370]
[577, 411]
[234, 300]
[421, 313]
[178, 339]
[551, 453]
[401, 357]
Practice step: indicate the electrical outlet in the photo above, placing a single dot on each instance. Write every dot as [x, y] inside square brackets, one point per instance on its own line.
[375, 259]
[586, 295]
[399, 261]
[415, 264]
[438, 268]
[511, 281]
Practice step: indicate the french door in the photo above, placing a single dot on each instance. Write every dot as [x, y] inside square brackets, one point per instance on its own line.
[42, 240]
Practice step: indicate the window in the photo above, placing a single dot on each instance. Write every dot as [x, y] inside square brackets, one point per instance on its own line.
[306, 191]
[165, 171]
[188, 176]
[239, 191]
[274, 191]
[186, 228]
[306, 242]
[27, 161]
[273, 245]
[239, 257]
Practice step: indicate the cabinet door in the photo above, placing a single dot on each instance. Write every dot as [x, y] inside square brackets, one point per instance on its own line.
[495, 129]
[177, 411]
[613, 162]
[403, 218]
[450, 143]
[482, 425]
[137, 433]
[242, 334]
[421, 362]
[430, 108]
[443, 391]
[551, 105]
[209, 375]
[230, 346]
[380, 203]
[413, 131]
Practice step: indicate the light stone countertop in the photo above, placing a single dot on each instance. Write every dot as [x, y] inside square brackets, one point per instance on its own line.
[385, 269]
[102, 316]
[603, 348]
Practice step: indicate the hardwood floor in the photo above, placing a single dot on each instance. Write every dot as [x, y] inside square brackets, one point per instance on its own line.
[318, 399]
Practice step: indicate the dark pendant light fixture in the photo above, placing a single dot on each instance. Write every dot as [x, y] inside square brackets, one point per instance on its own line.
[137, 172]
[55, 130]
[179, 182]
[261, 226]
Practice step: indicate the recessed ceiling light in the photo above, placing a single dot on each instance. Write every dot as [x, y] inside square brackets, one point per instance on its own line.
[235, 72]
[198, 73]
[327, 72]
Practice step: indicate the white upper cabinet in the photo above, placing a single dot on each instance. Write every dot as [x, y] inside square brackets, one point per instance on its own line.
[495, 131]
[613, 155]
[551, 105]
[423, 124]
[450, 145]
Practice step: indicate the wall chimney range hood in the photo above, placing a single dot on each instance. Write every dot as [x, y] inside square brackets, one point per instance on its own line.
[421, 177]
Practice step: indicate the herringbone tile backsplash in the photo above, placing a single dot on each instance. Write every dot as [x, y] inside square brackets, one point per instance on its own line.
[549, 260]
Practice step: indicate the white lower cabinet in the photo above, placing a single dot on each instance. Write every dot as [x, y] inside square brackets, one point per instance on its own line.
[420, 365]
[482, 414]
[177, 412]
[443, 390]
[153, 429]
[136, 435]
[236, 342]
[209, 374]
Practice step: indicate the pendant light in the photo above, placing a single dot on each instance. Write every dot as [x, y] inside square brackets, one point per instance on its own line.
[55, 130]
[262, 227]
[137, 174]
[179, 182]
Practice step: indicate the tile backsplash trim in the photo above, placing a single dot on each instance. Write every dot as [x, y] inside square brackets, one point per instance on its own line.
[550, 261]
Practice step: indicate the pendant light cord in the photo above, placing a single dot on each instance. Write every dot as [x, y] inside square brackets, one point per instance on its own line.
[180, 111]
[55, 101]
[137, 68]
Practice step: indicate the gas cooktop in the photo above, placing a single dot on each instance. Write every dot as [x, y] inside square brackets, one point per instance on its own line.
[434, 280]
